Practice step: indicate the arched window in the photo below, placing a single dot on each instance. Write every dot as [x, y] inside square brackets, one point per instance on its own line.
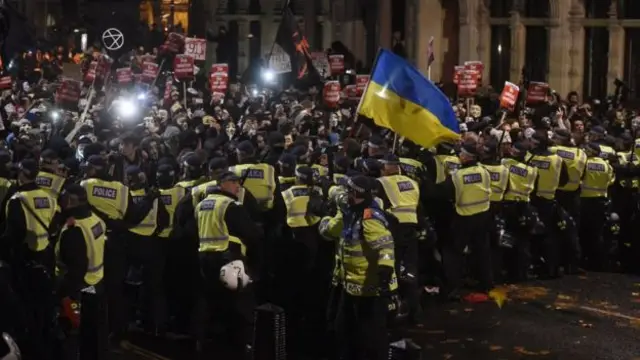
[536, 8]
[500, 8]
[500, 65]
[537, 53]
[597, 9]
[254, 7]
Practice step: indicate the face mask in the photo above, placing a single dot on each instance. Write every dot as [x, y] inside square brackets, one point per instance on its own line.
[231, 131]
[251, 132]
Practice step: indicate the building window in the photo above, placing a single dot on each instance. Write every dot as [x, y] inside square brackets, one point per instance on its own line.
[596, 62]
[254, 7]
[500, 65]
[318, 38]
[233, 48]
[536, 8]
[536, 58]
[255, 42]
[597, 9]
[500, 8]
[232, 7]
[629, 9]
[632, 59]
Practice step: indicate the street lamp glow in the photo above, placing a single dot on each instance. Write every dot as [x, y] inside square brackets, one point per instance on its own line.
[126, 109]
[268, 75]
[499, 48]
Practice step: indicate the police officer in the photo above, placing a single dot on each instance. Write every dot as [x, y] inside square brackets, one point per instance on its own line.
[597, 135]
[7, 186]
[226, 235]
[192, 171]
[25, 245]
[470, 187]
[259, 178]
[49, 176]
[80, 270]
[367, 271]
[517, 210]
[598, 176]
[144, 245]
[302, 250]
[287, 166]
[552, 174]
[401, 197]
[575, 159]
[112, 202]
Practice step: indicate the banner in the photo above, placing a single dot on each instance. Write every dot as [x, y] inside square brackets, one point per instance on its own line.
[336, 64]
[509, 95]
[124, 75]
[351, 92]
[68, 94]
[149, 71]
[279, 62]
[458, 70]
[167, 91]
[219, 81]
[196, 48]
[468, 83]
[475, 66]
[331, 93]
[321, 63]
[183, 67]
[537, 92]
[361, 83]
[91, 72]
[5, 82]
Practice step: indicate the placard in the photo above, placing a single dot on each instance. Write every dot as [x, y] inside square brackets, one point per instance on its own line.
[196, 48]
[509, 95]
[183, 67]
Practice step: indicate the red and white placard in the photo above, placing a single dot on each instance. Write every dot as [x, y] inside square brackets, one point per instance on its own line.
[196, 48]
[331, 93]
[509, 95]
[183, 67]
[149, 71]
[219, 80]
[336, 64]
[468, 83]
[537, 92]
[5, 82]
[124, 75]
[361, 83]
[458, 70]
[477, 66]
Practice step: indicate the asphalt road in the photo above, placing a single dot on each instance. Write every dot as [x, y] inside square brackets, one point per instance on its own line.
[596, 316]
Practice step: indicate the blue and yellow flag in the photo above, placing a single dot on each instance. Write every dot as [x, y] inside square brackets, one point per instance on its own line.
[400, 98]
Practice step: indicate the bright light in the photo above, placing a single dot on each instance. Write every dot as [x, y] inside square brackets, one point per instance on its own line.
[55, 115]
[254, 92]
[142, 96]
[11, 63]
[268, 75]
[499, 48]
[83, 42]
[76, 30]
[126, 109]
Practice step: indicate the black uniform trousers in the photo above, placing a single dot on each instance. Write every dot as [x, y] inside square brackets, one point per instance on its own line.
[591, 233]
[361, 327]
[549, 247]
[122, 251]
[234, 309]
[471, 231]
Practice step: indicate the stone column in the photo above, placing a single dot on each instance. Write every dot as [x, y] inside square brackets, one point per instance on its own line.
[310, 21]
[351, 30]
[518, 39]
[243, 45]
[576, 47]
[560, 40]
[327, 33]
[469, 35]
[616, 48]
[484, 41]
[384, 23]
[430, 17]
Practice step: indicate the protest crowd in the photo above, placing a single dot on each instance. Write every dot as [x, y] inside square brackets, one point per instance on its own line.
[162, 197]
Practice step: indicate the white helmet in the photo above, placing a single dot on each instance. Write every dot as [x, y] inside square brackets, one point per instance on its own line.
[233, 276]
[14, 351]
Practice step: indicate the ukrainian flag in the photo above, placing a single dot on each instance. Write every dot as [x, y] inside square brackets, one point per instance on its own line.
[400, 98]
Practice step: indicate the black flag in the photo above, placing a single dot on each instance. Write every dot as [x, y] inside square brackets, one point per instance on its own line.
[294, 43]
[17, 36]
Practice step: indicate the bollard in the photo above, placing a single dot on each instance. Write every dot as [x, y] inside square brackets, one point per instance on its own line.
[405, 349]
[269, 333]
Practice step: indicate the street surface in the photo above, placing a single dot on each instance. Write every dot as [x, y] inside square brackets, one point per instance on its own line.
[596, 316]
